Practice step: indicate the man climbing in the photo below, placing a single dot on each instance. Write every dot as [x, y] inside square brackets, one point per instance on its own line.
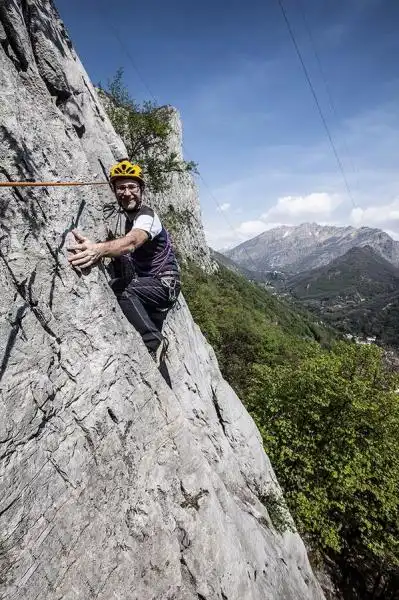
[147, 279]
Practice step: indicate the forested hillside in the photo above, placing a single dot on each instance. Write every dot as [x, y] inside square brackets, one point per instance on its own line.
[357, 293]
[328, 412]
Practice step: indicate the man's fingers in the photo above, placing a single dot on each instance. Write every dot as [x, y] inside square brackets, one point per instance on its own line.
[78, 256]
[78, 236]
[83, 259]
[83, 262]
[77, 247]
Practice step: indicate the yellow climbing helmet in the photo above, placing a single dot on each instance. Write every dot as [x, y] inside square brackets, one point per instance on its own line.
[125, 168]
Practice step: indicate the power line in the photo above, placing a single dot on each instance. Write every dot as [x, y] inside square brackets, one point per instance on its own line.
[320, 111]
[324, 77]
[316, 54]
[125, 50]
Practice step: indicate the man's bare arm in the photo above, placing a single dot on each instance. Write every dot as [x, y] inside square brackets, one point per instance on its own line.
[128, 243]
[88, 253]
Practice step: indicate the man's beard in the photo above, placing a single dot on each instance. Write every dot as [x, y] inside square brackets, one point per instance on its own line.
[136, 206]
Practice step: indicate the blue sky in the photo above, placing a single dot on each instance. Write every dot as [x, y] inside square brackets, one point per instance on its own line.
[249, 118]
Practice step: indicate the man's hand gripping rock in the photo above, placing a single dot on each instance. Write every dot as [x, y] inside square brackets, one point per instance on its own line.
[87, 253]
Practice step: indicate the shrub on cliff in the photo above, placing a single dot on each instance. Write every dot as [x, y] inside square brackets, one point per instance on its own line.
[146, 129]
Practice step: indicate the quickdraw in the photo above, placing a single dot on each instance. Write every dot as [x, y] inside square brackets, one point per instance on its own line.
[171, 284]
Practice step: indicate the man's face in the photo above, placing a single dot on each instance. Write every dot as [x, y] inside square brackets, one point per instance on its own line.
[128, 193]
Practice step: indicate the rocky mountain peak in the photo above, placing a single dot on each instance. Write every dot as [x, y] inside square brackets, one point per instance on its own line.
[296, 249]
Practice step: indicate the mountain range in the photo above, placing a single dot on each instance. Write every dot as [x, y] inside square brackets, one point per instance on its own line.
[350, 277]
[308, 246]
[359, 275]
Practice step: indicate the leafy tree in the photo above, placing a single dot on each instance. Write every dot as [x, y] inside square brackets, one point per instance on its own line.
[330, 425]
[146, 130]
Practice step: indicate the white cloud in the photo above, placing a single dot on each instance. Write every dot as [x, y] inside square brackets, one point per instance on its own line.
[225, 206]
[368, 147]
[318, 205]
[384, 216]
[251, 228]
[221, 237]
[357, 215]
[228, 237]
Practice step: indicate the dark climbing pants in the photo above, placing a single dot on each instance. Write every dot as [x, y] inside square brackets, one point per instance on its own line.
[145, 302]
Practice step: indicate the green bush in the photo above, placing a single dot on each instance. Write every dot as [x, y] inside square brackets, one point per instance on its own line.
[146, 130]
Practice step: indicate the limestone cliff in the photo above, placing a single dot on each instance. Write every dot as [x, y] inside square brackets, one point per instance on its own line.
[111, 484]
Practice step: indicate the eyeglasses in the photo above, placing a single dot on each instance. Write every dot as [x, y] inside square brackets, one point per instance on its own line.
[130, 187]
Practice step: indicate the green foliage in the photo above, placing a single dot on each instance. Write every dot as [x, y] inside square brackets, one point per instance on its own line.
[377, 317]
[278, 512]
[246, 325]
[330, 426]
[329, 417]
[146, 130]
[176, 221]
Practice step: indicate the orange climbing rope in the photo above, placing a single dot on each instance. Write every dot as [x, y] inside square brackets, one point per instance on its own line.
[49, 183]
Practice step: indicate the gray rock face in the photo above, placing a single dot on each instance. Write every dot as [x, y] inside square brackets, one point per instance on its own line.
[307, 246]
[112, 485]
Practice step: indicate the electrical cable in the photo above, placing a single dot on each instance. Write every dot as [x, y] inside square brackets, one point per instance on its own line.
[316, 100]
[324, 79]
